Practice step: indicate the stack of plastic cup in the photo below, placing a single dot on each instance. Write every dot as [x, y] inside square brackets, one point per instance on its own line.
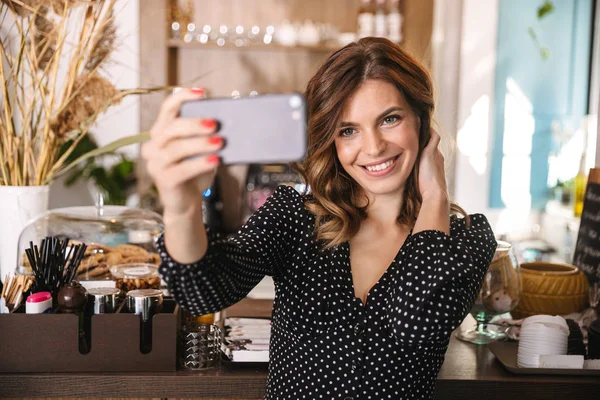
[541, 335]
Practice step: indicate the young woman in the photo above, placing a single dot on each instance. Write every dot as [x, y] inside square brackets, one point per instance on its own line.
[371, 271]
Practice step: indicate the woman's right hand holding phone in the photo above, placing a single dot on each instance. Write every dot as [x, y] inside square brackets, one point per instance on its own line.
[180, 154]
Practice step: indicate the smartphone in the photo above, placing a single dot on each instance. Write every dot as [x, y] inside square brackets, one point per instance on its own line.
[260, 129]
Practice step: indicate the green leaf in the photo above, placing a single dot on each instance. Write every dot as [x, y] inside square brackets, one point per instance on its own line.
[122, 174]
[111, 147]
[123, 169]
[545, 53]
[74, 177]
[99, 175]
[545, 9]
[85, 145]
[532, 33]
[101, 178]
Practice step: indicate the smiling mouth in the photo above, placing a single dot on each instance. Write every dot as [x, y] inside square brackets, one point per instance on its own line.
[381, 166]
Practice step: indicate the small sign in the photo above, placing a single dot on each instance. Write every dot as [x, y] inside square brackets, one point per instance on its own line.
[587, 249]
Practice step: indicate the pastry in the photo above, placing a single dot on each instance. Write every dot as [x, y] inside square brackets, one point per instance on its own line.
[95, 248]
[130, 250]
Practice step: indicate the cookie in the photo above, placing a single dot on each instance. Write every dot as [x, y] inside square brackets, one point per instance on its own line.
[94, 266]
[146, 258]
[127, 250]
[92, 261]
[25, 261]
[96, 248]
[100, 271]
[114, 258]
[155, 258]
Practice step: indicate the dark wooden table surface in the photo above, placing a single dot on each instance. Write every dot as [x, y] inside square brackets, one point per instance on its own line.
[469, 372]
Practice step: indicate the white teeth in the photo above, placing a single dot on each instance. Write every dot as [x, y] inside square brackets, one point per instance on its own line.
[380, 166]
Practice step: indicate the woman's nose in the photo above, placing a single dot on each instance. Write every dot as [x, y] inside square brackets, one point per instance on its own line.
[374, 143]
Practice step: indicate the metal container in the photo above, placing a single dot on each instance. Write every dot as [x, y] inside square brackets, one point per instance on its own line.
[144, 302]
[104, 300]
[200, 346]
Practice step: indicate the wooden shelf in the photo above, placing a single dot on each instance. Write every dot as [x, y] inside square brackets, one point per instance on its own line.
[180, 44]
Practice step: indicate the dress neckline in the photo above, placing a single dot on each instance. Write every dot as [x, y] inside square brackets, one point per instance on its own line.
[348, 269]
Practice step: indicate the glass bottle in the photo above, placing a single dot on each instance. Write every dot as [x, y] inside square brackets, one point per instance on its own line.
[580, 185]
[380, 19]
[394, 21]
[366, 15]
[206, 319]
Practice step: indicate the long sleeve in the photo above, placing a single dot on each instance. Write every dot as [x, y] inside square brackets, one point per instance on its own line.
[439, 280]
[233, 266]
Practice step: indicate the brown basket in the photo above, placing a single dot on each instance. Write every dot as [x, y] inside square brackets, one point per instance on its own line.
[551, 288]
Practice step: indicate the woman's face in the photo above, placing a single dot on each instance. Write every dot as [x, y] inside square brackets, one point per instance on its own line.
[377, 140]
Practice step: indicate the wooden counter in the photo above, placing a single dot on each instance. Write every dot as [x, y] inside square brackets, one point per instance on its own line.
[469, 372]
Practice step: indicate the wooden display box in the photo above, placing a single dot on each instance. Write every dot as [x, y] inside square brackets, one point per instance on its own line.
[50, 342]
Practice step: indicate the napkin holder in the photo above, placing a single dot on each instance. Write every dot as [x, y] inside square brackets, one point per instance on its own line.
[49, 342]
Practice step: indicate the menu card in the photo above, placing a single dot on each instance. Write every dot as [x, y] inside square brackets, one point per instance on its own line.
[587, 249]
[247, 339]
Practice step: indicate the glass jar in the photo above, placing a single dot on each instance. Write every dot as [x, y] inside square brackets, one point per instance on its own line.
[114, 235]
[500, 293]
[135, 276]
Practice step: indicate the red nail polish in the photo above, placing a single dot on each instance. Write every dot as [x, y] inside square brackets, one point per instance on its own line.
[197, 90]
[212, 159]
[215, 140]
[208, 123]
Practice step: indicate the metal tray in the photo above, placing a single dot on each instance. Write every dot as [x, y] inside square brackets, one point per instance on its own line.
[506, 353]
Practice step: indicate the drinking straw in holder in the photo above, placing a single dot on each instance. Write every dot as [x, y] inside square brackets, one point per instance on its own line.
[54, 263]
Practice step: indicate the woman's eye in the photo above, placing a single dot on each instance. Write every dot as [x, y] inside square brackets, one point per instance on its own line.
[391, 119]
[346, 132]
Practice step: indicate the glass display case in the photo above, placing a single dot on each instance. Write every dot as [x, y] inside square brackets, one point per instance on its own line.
[114, 235]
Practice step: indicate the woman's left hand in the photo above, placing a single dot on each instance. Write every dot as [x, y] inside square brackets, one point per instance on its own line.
[432, 178]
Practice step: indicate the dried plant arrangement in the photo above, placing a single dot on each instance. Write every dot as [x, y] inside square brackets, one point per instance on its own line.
[52, 88]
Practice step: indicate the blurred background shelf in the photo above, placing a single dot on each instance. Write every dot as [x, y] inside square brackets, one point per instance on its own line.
[195, 45]
[263, 68]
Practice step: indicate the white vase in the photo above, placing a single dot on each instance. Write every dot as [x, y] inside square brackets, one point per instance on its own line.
[18, 206]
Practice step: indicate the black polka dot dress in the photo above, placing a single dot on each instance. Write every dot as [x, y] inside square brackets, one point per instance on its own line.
[325, 344]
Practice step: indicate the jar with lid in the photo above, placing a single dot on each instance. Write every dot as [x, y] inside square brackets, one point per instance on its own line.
[114, 235]
[135, 276]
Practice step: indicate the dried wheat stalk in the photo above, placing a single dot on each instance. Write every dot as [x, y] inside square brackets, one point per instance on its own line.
[41, 106]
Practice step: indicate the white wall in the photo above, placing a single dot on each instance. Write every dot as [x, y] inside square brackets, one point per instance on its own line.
[463, 66]
[475, 120]
[475, 104]
[123, 119]
[445, 44]
[474, 140]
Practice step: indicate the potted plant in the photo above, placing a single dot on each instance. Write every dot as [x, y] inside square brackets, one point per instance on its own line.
[563, 191]
[115, 183]
[52, 90]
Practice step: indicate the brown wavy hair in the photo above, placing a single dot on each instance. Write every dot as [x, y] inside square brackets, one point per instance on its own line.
[335, 195]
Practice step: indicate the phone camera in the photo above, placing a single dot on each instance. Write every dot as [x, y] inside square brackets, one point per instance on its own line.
[295, 102]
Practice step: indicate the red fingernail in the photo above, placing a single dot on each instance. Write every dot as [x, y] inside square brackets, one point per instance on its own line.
[208, 123]
[215, 140]
[197, 90]
[212, 159]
